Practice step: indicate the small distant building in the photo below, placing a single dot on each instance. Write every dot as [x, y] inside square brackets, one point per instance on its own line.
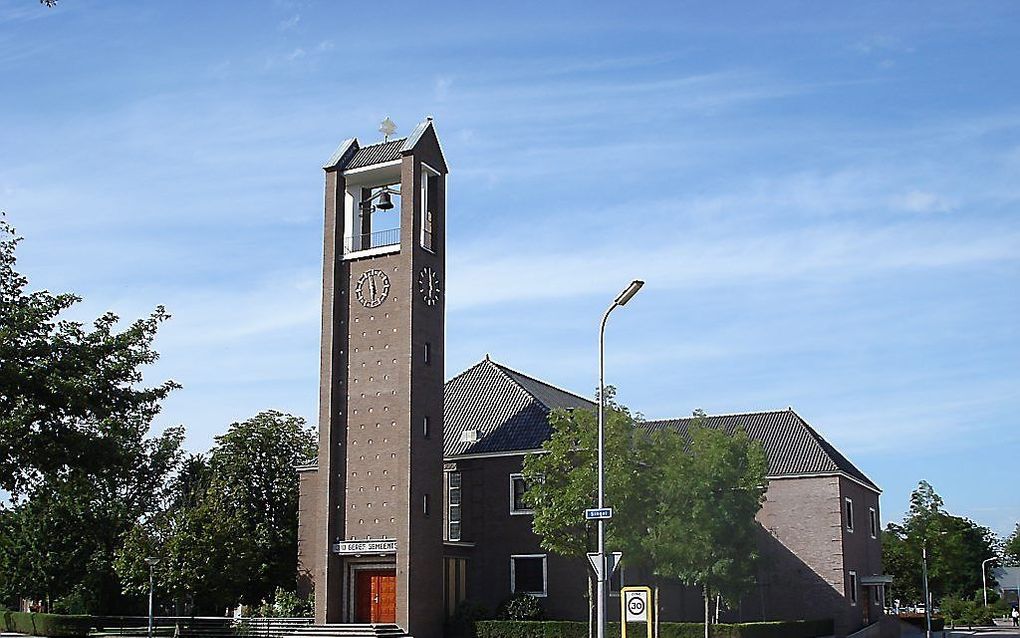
[1008, 578]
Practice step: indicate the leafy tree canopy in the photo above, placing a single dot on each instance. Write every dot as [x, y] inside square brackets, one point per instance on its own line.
[70, 396]
[230, 533]
[1011, 547]
[685, 508]
[705, 530]
[75, 454]
[563, 482]
[956, 547]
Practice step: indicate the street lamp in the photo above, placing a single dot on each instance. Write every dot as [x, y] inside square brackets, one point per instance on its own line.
[927, 599]
[924, 569]
[984, 579]
[621, 300]
[151, 561]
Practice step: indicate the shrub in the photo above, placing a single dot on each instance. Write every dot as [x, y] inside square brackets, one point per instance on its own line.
[50, 625]
[284, 604]
[575, 629]
[521, 607]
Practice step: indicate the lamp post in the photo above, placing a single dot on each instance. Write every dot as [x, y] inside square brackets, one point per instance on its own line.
[151, 561]
[984, 579]
[924, 569]
[927, 598]
[621, 300]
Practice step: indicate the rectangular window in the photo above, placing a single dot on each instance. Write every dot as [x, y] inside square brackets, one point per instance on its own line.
[425, 505]
[853, 588]
[878, 595]
[873, 517]
[528, 575]
[425, 427]
[453, 506]
[517, 489]
[849, 515]
[429, 206]
[428, 353]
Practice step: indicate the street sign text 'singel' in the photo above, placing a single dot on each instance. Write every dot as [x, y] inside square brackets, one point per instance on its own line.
[598, 513]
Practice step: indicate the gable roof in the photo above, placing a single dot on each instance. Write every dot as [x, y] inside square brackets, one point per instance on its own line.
[350, 155]
[510, 411]
[376, 154]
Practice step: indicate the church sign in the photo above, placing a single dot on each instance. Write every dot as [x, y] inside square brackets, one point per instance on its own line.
[365, 547]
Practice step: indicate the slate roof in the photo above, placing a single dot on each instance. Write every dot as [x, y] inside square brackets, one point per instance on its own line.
[377, 153]
[510, 412]
[508, 409]
[792, 447]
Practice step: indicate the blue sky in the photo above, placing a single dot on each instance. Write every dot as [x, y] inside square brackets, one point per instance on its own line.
[823, 200]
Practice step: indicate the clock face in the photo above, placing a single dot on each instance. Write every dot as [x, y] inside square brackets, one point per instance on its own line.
[428, 284]
[372, 288]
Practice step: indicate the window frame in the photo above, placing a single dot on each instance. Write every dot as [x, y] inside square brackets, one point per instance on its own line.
[848, 512]
[450, 505]
[853, 587]
[545, 574]
[873, 521]
[427, 172]
[514, 511]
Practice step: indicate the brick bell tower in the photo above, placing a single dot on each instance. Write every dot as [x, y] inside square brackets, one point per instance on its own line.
[371, 519]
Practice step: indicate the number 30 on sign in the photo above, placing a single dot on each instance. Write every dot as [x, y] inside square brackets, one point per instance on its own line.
[638, 606]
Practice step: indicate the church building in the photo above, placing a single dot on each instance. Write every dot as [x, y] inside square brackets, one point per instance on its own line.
[414, 504]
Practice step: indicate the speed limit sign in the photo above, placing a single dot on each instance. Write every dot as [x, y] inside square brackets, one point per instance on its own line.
[638, 606]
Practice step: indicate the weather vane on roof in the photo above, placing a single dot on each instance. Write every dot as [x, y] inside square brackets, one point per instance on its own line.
[387, 128]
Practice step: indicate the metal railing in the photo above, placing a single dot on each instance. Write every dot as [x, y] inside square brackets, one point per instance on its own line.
[367, 241]
[196, 627]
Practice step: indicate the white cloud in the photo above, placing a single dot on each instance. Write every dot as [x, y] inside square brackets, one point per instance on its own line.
[492, 273]
[290, 22]
[918, 201]
[442, 88]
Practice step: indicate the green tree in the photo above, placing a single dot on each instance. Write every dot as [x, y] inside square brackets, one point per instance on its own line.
[230, 534]
[956, 547]
[1011, 547]
[563, 481]
[705, 530]
[70, 397]
[75, 454]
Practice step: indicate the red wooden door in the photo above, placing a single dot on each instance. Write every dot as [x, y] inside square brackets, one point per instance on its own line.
[375, 592]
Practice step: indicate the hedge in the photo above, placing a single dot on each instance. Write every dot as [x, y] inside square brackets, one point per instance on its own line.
[50, 625]
[574, 629]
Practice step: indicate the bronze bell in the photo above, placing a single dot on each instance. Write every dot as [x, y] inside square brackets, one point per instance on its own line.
[385, 203]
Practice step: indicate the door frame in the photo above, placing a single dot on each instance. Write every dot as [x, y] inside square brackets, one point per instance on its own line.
[351, 579]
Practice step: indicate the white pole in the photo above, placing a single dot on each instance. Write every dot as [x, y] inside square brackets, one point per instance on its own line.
[151, 561]
[984, 579]
[151, 568]
[927, 599]
[600, 595]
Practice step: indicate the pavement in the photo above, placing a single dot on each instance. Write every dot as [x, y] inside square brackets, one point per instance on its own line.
[1002, 629]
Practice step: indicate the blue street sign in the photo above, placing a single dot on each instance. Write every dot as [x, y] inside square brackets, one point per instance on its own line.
[598, 513]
